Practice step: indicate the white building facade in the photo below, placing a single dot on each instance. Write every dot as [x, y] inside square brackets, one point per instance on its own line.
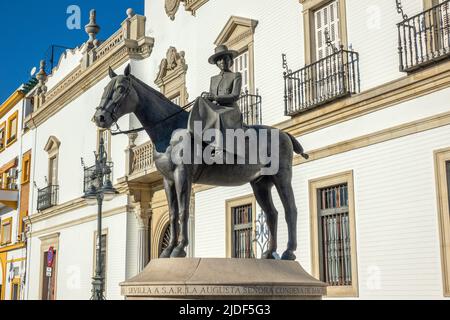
[373, 198]
[61, 224]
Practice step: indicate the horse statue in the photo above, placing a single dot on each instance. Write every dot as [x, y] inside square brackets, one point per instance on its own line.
[161, 118]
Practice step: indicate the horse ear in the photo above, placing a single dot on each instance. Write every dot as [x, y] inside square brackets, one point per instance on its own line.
[127, 70]
[112, 74]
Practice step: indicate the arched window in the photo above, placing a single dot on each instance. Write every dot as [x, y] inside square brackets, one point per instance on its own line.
[52, 148]
[164, 240]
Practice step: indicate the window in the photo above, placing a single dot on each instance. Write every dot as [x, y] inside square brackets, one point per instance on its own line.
[241, 65]
[177, 100]
[12, 129]
[238, 35]
[52, 148]
[321, 17]
[15, 289]
[240, 227]
[334, 234]
[442, 171]
[26, 167]
[6, 231]
[326, 21]
[52, 171]
[165, 240]
[2, 136]
[103, 253]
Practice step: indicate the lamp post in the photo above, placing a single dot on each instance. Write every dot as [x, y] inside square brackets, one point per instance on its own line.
[100, 189]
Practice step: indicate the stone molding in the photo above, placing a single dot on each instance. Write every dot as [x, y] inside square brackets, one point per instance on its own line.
[171, 78]
[86, 219]
[171, 7]
[11, 102]
[193, 5]
[68, 206]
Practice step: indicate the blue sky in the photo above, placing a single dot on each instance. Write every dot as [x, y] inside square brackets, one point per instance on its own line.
[33, 26]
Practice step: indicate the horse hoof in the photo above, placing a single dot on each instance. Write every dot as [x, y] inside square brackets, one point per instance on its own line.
[288, 255]
[269, 255]
[166, 253]
[178, 253]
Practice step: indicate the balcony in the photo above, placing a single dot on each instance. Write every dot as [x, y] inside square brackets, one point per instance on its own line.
[328, 79]
[89, 176]
[47, 197]
[250, 106]
[424, 38]
[142, 167]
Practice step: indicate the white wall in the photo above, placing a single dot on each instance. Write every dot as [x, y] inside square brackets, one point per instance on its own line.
[76, 258]
[396, 215]
[371, 25]
[78, 136]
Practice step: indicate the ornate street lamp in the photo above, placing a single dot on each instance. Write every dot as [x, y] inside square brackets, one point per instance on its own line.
[99, 189]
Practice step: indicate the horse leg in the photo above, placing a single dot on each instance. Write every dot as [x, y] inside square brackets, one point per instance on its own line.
[284, 188]
[183, 186]
[263, 195]
[169, 187]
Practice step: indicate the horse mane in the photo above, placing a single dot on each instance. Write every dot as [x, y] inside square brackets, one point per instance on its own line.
[158, 115]
[159, 95]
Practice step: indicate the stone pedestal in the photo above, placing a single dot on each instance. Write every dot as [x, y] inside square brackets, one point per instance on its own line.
[218, 279]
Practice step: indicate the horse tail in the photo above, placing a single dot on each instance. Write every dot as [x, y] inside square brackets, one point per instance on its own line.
[298, 149]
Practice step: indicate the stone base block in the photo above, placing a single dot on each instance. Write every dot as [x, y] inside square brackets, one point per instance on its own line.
[223, 279]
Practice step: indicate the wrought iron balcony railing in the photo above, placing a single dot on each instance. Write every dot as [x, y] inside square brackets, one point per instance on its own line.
[250, 105]
[330, 78]
[47, 197]
[89, 176]
[424, 38]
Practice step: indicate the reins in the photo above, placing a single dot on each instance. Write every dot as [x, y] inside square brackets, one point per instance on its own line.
[118, 131]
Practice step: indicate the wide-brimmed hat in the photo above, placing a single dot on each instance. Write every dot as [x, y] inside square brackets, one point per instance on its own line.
[222, 50]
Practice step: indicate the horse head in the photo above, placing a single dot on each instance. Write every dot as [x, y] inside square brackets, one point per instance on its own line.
[119, 98]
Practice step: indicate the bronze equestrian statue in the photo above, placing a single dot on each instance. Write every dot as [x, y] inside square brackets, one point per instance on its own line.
[161, 118]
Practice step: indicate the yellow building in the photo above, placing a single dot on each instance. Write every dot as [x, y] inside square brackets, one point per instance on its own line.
[15, 165]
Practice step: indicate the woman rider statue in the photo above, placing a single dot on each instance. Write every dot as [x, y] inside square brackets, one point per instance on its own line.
[218, 109]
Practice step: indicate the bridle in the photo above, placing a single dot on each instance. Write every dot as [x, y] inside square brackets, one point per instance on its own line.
[116, 105]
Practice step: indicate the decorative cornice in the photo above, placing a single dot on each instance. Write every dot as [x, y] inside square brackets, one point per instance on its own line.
[50, 236]
[11, 102]
[127, 43]
[193, 5]
[419, 84]
[234, 21]
[68, 206]
[16, 246]
[89, 218]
